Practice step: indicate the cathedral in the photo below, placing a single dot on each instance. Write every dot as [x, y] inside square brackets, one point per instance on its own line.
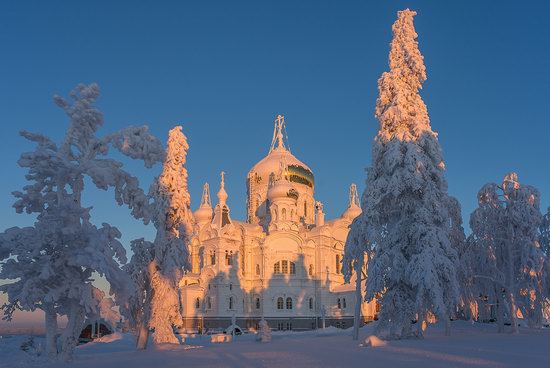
[284, 263]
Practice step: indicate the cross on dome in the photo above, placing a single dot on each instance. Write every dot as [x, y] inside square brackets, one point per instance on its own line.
[278, 136]
[222, 194]
[353, 195]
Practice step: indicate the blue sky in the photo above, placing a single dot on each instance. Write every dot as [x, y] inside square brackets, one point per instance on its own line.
[224, 70]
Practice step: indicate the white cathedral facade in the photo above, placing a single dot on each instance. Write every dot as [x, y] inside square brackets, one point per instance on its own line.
[283, 263]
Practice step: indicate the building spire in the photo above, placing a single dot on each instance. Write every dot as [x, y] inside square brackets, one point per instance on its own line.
[205, 200]
[222, 194]
[353, 196]
[279, 135]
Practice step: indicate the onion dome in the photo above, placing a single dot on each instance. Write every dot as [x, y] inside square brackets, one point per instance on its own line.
[298, 172]
[281, 189]
[204, 213]
[353, 209]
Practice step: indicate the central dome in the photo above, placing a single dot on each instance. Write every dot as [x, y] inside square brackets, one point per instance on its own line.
[298, 172]
[263, 174]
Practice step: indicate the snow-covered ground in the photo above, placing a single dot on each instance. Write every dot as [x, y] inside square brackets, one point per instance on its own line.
[470, 345]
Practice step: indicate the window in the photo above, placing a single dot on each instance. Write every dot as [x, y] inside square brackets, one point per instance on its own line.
[212, 257]
[339, 304]
[208, 286]
[209, 303]
[310, 270]
[280, 326]
[310, 303]
[337, 324]
[337, 263]
[343, 324]
[289, 326]
[230, 302]
[344, 303]
[279, 303]
[228, 257]
[197, 303]
[283, 267]
[288, 303]
[258, 269]
[283, 214]
[257, 303]
[230, 286]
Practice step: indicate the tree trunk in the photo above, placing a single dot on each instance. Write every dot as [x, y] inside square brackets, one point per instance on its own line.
[358, 301]
[447, 325]
[143, 336]
[513, 312]
[51, 329]
[500, 311]
[72, 331]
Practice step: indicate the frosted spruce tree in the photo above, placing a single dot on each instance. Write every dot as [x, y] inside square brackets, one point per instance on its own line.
[138, 309]
[52, 262]
[412, 264]
[510, 263]
[173, 220]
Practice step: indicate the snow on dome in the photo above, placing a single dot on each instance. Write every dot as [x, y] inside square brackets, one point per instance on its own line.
[353, 209]
[281, 189]
[205, 213]
[298, 171]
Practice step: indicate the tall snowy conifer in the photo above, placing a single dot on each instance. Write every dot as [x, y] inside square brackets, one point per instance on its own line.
[411, 263]
[173, 220]
[52, 262]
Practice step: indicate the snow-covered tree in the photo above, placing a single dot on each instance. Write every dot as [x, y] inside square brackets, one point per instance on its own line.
[411, 263]
[353, 263]
[138, 309]
[264, 334]
[511, 262]
[52, 262]
[173, 220]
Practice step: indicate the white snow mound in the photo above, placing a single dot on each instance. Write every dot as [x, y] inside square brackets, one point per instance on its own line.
[374, 341]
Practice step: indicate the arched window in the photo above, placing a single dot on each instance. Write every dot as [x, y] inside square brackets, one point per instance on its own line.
[288, 303]
[280, 303]
[337, 263]
[310, 270]
[197, 303]
[257, 303]
[212, 257]
[310, 303]
[344, 303]
[339, 304]
[292, 268]
[209, 303]
[230, 286]
[227, 257]
[284, 266]
[283, 214]
[230, 302]
[258, 269]
[277, 267]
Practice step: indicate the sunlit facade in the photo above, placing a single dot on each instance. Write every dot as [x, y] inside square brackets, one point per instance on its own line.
[283, 263]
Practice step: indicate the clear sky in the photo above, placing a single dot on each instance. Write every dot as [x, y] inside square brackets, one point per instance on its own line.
[224, 70]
